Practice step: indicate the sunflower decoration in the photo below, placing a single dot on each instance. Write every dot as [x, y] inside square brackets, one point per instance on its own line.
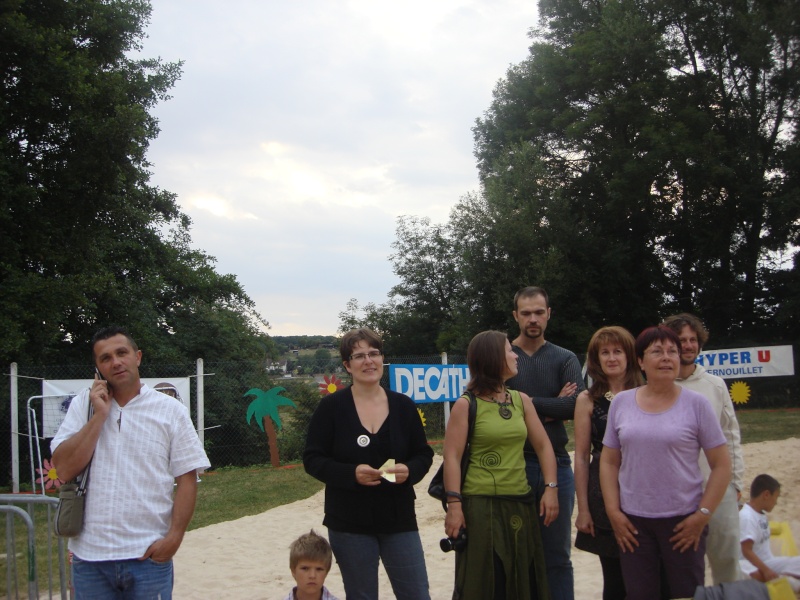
[49, 477]
[740, 392]
[422, 417]
[331, 384]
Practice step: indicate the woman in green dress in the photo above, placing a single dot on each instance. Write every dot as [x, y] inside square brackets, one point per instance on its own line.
[495, 507]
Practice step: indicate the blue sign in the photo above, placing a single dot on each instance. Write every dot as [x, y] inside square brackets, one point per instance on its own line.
[429, 383]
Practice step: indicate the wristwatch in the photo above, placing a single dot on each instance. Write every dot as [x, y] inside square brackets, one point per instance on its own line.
[552, 484]
[705, 511]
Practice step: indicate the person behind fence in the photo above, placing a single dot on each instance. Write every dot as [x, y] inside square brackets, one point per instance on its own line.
[496, 508]
[757, 559]
[142, 486]
[611, 365]
[368, 446]
[650, 477]
[310, 561]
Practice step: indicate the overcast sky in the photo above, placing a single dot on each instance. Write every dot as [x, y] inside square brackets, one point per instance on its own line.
[300, 130]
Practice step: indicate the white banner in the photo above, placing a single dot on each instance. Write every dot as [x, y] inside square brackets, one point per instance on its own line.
[58, 393]
[761, 361]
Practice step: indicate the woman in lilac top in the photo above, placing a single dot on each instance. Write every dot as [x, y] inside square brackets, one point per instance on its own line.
[651, 479]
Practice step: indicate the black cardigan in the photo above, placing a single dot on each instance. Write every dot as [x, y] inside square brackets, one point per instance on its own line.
[332, 454]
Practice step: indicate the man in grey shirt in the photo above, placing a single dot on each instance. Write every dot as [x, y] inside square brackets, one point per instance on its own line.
[551, 375]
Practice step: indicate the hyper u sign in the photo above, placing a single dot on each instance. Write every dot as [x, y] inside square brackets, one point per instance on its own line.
[761, 361]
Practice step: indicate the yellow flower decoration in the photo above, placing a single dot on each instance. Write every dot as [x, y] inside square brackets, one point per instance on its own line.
[740, 392]
[422, 417]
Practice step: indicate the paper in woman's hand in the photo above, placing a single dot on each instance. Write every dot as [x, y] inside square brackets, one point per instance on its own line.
[389, 464]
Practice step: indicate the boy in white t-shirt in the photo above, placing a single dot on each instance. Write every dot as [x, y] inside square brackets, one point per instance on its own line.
[757, 559]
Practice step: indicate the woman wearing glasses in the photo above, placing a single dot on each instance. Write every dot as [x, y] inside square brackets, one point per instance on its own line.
[368, 446]
[650, 477]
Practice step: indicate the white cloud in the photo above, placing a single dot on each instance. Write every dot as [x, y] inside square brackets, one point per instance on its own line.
[219, 207]
[301, 130]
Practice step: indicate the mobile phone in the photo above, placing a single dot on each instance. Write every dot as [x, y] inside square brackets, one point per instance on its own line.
[100, 376]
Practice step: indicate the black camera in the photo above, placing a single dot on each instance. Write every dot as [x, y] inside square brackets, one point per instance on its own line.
[457, 543]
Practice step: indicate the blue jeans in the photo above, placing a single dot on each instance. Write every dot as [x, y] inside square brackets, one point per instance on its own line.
[132, 579]
[556, 537]
[402, 556]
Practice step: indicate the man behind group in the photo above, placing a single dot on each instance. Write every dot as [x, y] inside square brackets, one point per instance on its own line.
[551, 376]
[722, 545]
[139, 442]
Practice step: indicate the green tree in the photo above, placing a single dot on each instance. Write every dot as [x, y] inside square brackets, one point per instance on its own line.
[647, 145]
[642, 159]
[87, 240]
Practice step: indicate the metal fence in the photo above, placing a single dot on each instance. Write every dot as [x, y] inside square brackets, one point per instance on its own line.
[34, 557]
[230, 440]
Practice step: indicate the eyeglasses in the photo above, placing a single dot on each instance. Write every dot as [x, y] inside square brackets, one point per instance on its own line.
[659, 352]
[372, 354]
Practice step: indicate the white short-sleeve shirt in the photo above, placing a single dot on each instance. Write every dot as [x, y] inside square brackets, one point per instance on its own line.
[142, 448]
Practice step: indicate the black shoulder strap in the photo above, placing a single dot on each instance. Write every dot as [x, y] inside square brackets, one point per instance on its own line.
[473, 411]
[83, 478]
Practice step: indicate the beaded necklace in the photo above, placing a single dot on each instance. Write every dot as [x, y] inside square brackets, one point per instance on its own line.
[503, 407]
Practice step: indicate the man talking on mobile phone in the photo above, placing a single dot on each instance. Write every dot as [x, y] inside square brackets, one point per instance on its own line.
[140, 442]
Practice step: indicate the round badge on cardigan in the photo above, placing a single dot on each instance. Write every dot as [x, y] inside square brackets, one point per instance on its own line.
[363, 441]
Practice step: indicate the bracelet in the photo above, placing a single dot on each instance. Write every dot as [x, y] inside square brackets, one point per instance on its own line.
[453, 501]
[453, 495]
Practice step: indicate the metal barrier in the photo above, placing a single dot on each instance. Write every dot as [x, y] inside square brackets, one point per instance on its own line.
[9, 505]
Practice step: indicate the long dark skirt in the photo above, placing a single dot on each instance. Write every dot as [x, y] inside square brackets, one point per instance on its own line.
[504, 559]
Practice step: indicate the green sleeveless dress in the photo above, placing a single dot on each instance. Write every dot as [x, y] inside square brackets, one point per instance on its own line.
[503, 559]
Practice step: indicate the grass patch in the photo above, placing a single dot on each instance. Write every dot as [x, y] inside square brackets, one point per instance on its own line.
[762, 425]
[233, 492]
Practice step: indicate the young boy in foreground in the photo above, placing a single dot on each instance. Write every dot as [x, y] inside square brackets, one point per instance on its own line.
[757, 558]
[310, 560]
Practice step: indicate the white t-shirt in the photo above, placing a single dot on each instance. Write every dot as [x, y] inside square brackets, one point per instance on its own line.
[755, 526]
[326, 595]
[143, 446]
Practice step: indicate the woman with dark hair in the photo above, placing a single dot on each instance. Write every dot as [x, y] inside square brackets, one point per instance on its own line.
[650, 476]
[503, 557]
[368, 446]
[611, 365]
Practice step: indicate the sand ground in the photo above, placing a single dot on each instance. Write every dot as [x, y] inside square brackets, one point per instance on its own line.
[248, 558]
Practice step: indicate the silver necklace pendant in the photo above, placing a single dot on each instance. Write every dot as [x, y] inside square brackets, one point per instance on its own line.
[504, 411]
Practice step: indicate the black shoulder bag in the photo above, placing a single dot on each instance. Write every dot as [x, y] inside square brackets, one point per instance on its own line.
[436, 486]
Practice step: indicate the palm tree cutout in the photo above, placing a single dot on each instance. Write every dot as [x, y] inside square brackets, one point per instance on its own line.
[265, 409]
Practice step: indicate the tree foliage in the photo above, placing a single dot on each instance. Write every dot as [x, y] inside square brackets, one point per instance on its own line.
[87, 240]
[642, 159]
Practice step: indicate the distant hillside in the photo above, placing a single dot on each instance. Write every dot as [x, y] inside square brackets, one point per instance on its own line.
[286, 343]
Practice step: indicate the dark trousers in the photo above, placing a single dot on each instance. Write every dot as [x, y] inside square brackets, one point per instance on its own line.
[654, 557]
[613, 583]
